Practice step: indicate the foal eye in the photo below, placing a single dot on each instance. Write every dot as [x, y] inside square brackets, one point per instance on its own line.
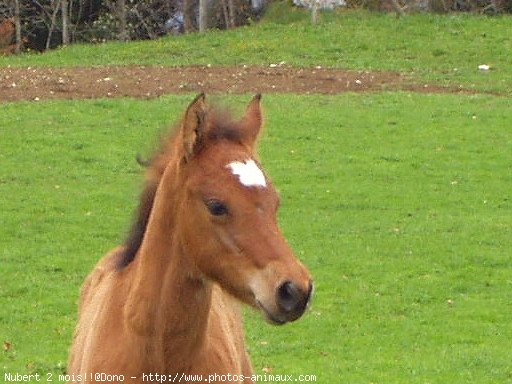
[216, 207]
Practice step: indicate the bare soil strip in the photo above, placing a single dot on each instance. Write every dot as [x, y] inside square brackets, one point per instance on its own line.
[40, 83]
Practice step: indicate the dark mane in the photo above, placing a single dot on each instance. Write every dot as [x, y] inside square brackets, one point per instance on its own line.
[136, 235]
[220, 127]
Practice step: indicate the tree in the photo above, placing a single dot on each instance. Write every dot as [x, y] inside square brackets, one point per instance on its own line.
[65, 22]
[56, 7]
[203, 16]
[17, 24]
[189, 15]
[121, 15]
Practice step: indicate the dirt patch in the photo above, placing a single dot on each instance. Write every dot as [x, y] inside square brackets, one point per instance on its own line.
[39, 83]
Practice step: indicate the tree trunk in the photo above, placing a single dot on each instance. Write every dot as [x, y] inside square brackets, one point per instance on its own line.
[52, 25]
[189, 15]
[232, 13]
[121, 14]
[203, 16]
[225, 13]
[398, 8]
[17, 26]
[65, 22]
[314, 12]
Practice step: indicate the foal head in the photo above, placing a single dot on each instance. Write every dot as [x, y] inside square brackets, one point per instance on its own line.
[228, 214]
[225, 212]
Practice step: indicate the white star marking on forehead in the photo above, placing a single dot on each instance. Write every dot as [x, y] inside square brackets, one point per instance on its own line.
[248, 173]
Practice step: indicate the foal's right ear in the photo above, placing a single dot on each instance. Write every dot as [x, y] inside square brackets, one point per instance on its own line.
[193, 126]
[252, 121]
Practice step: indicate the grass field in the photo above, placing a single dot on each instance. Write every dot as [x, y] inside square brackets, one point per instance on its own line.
[440, 48]
[399, 203]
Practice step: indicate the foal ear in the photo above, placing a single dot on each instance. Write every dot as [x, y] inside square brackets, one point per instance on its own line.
[252, 121]
[193, 125]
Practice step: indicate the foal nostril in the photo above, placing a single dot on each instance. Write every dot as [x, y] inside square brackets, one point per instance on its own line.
[290, 298]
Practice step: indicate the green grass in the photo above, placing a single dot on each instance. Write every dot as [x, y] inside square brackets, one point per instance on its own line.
[446, 49]
[399, 204]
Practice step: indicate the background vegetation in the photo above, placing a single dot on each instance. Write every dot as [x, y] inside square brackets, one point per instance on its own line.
[45, 24]
[399, 203]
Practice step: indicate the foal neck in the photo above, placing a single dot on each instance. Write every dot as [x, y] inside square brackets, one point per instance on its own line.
[169, 301]
[185, 303]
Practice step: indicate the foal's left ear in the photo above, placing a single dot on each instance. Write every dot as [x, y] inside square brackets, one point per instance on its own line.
[193, 125]
[252, 121]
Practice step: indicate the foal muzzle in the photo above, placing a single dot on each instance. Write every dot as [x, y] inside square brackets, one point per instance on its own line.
[292, 300]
